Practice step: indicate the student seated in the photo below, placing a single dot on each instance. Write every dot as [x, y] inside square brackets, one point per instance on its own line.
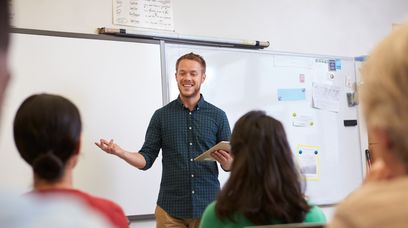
[264, 186]
[38, 212]
[382, 201]
[47, 133]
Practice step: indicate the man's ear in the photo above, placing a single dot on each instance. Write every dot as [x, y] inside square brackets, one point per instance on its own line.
[381, 145]
[203, 78]
[382, 137]
[394, 165]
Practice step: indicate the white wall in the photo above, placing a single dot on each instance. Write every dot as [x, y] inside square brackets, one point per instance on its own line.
[344, 28]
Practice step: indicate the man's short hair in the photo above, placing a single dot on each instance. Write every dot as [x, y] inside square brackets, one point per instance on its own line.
[194, 57]
[4, 24]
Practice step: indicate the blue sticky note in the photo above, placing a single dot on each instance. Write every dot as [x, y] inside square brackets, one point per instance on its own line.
[338, 64]
[297, 94]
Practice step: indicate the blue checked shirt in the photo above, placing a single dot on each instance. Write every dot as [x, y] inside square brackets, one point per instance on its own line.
[187, 186]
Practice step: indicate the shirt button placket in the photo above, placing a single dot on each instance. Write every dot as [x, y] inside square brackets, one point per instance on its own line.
[190, 133]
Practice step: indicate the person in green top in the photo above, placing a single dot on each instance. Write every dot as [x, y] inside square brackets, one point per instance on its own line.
[264, 186]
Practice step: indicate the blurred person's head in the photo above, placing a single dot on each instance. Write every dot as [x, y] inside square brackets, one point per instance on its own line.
[384, 96]
[47, 131]
[264, 182]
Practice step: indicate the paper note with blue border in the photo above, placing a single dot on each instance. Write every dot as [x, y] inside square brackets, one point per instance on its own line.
[308, 157]
[293, 94]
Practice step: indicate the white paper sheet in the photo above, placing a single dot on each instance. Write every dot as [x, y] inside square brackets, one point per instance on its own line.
[150, 14]
[326, 97]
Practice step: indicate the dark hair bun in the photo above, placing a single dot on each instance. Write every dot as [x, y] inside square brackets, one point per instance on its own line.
[48, 167]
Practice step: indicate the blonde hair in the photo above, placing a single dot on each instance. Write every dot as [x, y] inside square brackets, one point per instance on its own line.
[384, 92]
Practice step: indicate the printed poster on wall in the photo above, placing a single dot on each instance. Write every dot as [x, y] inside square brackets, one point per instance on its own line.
[151, 14]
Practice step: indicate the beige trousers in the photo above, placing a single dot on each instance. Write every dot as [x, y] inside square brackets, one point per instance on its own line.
[164, 220]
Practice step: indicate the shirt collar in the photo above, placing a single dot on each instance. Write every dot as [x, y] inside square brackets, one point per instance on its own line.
[201, 102]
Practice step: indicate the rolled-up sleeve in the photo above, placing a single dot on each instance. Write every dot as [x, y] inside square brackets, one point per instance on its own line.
[153, 141]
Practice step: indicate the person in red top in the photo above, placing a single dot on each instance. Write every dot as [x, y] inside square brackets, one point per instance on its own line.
[47, 133]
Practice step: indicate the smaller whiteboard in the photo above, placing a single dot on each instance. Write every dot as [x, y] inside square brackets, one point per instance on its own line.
[282, 84]
[116, 86]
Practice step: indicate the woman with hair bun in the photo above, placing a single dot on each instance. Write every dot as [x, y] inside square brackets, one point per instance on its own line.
[47, 133]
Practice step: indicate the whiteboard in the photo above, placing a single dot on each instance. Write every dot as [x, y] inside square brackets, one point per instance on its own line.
[242, 80]
[117, 87]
